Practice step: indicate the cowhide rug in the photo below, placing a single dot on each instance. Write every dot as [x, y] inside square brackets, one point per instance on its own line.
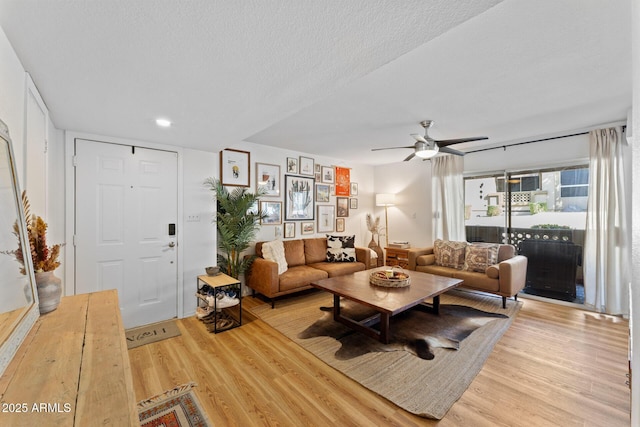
[414, 330]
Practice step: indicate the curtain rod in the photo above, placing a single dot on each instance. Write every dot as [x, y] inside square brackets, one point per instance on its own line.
[504, 147]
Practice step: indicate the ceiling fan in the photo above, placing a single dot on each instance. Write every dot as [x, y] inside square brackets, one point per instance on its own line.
[427, 147]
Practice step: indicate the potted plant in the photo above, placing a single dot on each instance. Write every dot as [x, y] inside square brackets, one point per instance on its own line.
[43, 257]
[237, 223]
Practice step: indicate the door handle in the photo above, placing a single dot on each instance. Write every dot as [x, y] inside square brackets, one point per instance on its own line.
[172, 244]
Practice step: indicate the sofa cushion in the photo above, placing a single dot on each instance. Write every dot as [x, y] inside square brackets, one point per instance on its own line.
[429, 259]
[475, 280]
[341, 248]
[299, 276]
[506, 252]
[339, 268]
[436, 269]
[274, 251]
[449, 254]
[479, 256]
[294, 251]
[315, 250]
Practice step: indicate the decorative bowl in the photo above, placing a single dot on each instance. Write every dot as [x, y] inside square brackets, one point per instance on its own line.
[212, 271]
[390, 278]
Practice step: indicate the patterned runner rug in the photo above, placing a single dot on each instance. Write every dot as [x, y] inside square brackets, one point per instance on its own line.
[176, 407]
[429, 363]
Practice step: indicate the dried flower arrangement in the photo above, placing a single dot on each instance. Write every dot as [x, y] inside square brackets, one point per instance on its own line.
[373, 225]
[44, 258]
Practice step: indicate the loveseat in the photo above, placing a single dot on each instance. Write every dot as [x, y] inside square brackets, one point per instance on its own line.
[494, 268]
[307, 260]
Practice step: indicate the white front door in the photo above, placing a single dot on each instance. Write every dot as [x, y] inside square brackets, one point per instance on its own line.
[125, 234]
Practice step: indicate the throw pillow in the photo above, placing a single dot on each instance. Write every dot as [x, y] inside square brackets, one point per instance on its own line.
[449, 254]
[341, 248]
[274, 251]
[480, 256]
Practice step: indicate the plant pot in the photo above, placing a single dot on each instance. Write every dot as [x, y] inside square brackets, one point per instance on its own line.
[49, 291]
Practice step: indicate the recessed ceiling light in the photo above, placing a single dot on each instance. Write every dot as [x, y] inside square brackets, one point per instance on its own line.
[163, 123]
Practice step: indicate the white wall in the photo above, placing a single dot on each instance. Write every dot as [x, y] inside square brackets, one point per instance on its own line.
[410, 218]
[571, 150]
[12, 89]
[198, 230]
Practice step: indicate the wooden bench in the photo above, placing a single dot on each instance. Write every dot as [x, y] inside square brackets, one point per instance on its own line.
[72, 369]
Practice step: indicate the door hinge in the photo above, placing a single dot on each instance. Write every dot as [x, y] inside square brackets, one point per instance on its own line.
[74, 161]
[74, 240]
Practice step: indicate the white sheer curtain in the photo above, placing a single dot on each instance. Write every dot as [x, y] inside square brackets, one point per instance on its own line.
[607, 250]
[448, 197]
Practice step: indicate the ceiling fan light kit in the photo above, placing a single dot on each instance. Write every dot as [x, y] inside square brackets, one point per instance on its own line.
[427, 147]
[427, 151]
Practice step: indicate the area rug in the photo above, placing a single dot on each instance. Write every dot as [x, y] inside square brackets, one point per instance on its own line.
[176, 407]
[151, 333]
[426, 385]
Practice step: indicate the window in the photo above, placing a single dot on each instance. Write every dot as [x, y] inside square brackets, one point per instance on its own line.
[574, 182]
[519, 183]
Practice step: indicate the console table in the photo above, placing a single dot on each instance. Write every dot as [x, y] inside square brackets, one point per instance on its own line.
[72, 369]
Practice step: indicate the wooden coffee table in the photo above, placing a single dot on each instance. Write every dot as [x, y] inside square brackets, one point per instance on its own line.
[386, 301]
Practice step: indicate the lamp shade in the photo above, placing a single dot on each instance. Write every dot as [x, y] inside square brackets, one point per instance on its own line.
[385, 199]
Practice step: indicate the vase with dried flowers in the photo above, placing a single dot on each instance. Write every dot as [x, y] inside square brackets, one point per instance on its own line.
[373, 225]
[43, 257]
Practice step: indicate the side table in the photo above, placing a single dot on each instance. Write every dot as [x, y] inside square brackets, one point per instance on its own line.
[397, 257]
[222, 308]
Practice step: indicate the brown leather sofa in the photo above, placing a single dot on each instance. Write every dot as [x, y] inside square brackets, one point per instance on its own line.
[307, 262]
[506, 278]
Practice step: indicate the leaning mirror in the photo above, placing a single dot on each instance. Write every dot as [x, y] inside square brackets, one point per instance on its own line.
[18, 301]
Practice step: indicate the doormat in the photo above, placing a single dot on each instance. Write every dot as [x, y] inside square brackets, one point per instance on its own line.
[151, 333]
[176, 407]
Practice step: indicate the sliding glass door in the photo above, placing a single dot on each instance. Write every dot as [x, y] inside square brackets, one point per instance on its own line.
[543, 213]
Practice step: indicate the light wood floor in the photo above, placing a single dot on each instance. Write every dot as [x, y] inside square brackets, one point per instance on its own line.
[555, 366]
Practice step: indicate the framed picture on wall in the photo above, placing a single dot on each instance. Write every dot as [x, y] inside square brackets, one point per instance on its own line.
[328, 175]
[354, 188]
[306, 166]
[272, 212]
[292, 165]
[342, 205]
[299, 198]
[340, 225]
[268, 178]
[307, 227]
[353, 203]
[326, 217]
[343, 181]
[289, 230]
[323, 191]
[234, 167]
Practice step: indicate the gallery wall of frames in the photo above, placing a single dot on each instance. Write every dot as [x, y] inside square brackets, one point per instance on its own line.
[303, 196]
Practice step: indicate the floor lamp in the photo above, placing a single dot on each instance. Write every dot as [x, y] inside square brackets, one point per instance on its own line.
[386, 200]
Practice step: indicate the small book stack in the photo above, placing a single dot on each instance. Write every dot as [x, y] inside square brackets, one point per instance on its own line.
[399, 245]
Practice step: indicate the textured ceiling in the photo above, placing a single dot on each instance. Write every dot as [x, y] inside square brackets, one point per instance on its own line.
[325, 77]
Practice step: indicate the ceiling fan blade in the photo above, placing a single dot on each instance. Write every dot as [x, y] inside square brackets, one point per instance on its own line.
[445, 142]
[391, 148]
[419, 138]
[451, 151]
[410, 156]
